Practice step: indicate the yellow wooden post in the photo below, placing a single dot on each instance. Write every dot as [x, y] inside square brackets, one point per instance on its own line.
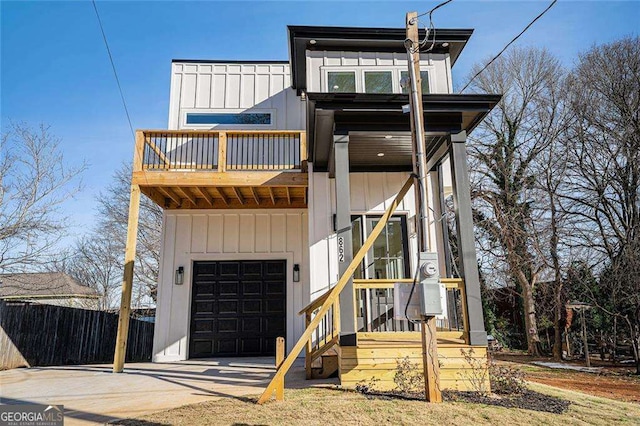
[222, 151]
[127, 281]
[308, 348]
[280, 348]
[430, 364]
[138, 153]
[465, 312]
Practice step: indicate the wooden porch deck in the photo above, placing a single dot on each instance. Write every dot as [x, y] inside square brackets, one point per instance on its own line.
[207, 169]
[382, 343]
[375, 360]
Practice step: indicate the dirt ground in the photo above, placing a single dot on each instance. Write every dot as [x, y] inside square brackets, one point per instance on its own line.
[615, 381]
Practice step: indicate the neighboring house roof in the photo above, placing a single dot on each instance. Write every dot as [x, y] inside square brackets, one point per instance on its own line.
[44, 285]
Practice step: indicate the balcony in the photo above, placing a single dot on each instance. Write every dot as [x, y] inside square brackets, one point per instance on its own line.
[195, 169]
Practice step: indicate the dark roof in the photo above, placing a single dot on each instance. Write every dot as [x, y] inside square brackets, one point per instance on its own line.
[44, 285]
[367, 116]
[362, 40]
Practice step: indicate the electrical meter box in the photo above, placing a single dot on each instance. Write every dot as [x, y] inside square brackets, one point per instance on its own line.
[429, 279]
[426, 298]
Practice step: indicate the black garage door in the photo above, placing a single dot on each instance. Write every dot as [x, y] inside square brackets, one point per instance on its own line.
[237, 308]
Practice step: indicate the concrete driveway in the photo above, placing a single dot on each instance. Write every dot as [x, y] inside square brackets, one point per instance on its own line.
[92, 394]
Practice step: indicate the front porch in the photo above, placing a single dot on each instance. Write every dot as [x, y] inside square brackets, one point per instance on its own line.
[384, 339]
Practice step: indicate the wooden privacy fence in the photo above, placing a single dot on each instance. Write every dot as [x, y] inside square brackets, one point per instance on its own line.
[39, 335]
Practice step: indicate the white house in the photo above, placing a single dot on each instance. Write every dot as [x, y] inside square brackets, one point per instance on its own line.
[273, 173]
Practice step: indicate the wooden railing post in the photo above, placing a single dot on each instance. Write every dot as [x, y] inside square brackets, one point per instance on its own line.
[138, 155]
[465, 311]
[303, 150]
[308, 348]
[280, 349]
[222, 151]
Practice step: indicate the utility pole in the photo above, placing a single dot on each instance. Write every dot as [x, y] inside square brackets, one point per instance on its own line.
[427, 324]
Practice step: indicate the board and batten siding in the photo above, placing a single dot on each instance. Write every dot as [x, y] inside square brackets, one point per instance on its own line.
[319, 62]
[234, 87]
[371, 194]
[190, 236]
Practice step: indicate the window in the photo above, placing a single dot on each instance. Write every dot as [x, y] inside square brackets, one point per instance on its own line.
[262, 118]
[424, 76]
[388, 258]
[341, 81]
[378, 82]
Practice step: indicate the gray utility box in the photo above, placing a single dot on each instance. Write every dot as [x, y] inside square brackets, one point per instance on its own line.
[429, 278]
[426, 300]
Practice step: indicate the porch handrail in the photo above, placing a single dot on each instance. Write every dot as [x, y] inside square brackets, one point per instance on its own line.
[220, 150]
[449, 283]
[316, 303]
[334, 294]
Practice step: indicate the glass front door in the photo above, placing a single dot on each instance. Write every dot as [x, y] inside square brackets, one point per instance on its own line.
[388, 257]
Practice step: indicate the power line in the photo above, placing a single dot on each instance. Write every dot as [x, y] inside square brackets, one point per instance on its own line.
[113, 66]
[509, 44]
[430, 29]
[434, 9]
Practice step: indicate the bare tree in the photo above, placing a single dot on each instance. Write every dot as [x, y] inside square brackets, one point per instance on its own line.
[604, 184]
[114, 210]
[95, 261]
[504, 151]
[34, 183]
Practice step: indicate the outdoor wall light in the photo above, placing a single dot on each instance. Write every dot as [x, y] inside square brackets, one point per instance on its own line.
[179, 275]
[296, 273]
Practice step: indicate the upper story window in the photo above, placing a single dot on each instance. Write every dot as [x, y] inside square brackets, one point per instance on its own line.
[424, 77]
[226, 118]
[370, 79]
[378, 82]
[341, 81]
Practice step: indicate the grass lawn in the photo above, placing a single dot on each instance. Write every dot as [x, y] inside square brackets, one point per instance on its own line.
[324, 406]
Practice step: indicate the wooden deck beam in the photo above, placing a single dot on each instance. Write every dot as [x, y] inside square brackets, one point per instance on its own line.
[239, 196]
[273, 196]
[210, 178]
[205, 194]
[255, 195]
[186, 194]
[222, 195]
[167, 192]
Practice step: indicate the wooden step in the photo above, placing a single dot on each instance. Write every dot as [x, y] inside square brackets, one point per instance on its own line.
[329, 367]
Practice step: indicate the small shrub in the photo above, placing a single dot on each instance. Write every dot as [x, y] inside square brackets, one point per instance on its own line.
[409, 376]
[506, 380]
[367, 386]
[477, 375]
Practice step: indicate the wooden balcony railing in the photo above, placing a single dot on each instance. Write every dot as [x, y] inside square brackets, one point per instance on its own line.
[376, 314]
[202, 150]
[325, 335]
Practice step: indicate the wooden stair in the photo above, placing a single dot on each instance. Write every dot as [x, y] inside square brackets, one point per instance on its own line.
[326, 365]
[316, 319]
